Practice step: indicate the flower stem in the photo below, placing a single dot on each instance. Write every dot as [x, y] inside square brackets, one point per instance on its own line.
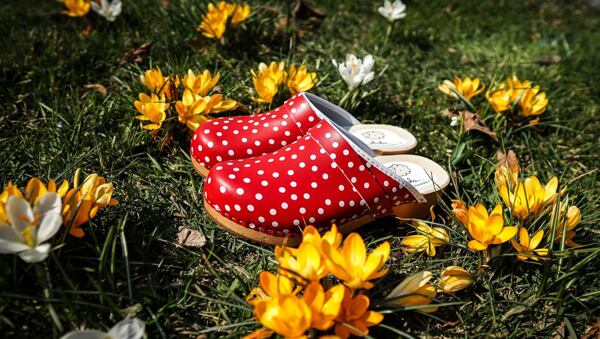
[43, 276]
[388, 35]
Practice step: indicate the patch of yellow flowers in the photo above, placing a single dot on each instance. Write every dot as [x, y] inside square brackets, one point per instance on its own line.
[193, 108]
[214, 22]
[80, 202]
[321, 286]
[269, 79]
[511, 95]
[528, 201]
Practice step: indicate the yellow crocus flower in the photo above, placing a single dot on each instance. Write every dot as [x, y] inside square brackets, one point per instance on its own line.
[460, 211]
[153, 109]
[500, 99]
[202, 83]
[216, 104]
[77, 7]
[239, 13]
[529, 196]
[158, 84]
[35, 189]
[324, 306]
[194, 110]
[507, 175]
[214, 22]
[533, 102]
[573, 218]
[468, 87]
[271, 286]
[190, 108]
[9, 190]
[454, 279]
[527, 247]
[351, 264]
[487, 229]
[303, 263]
[426, 239]
[354, 317]
[517, 87]
[81, 204]
[300, 80]
[267, 80]
[415, 291]
[332, 237]
[287, 315]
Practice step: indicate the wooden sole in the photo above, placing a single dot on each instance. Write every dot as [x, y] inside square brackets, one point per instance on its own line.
[203, 171]
[406, 211]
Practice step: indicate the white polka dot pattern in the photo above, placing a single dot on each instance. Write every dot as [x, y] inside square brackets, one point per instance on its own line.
[314, 180]
[224, 139]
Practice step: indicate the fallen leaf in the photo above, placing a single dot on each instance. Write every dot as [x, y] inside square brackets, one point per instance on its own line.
[191, 238]
[97, 87]
[592, 331]
[451, 50]
[472, 122]
[135, 55]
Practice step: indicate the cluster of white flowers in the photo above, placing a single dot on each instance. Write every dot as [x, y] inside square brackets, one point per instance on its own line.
[356, 71]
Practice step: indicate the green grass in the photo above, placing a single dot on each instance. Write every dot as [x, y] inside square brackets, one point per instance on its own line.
[51, 125]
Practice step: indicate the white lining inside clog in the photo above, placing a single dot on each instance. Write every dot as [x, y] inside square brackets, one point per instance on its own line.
[384, 139]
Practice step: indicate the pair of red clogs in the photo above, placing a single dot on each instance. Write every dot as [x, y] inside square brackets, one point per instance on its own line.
[309, 162]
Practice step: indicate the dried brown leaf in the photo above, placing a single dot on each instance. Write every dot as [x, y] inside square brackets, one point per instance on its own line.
[592, 331]
[135, 55]
[97, 87]
[191, 238]
[472, 122]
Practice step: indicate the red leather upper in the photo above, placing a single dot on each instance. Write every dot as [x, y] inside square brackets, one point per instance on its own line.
[241, 137]
[317, 180]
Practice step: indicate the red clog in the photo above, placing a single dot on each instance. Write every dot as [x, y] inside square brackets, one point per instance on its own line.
[241, 137]
[328, 176]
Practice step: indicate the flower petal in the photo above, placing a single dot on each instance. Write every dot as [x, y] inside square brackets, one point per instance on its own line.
[128, 328]
[50, 224]
[475, 245]
[19, 213]
[507, 233]
[33, 255]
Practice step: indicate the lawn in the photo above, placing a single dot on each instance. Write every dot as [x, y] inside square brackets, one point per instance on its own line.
[55, 119]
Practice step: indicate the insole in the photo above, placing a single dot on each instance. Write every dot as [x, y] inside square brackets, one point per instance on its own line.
[384, 139]
[424, 174]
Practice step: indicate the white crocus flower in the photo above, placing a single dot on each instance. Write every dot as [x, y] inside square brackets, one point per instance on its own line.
[454, 121]
[109, 11]
[30, 227]
[355, 71]
[392, 11]
[128, 328]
